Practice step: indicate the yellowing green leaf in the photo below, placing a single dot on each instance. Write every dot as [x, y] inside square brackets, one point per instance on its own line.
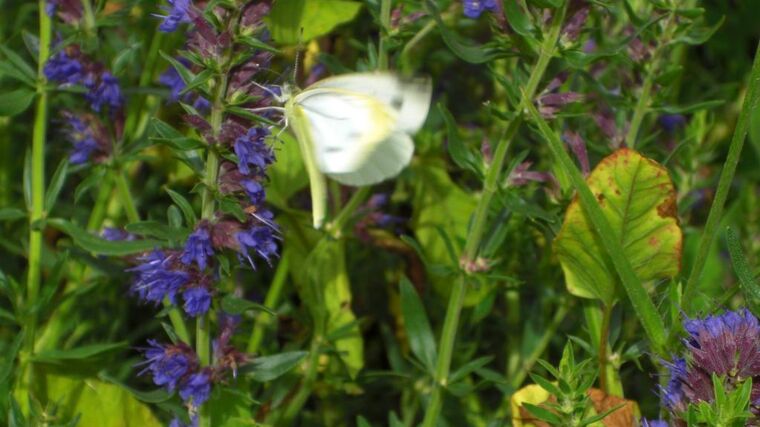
[294, 21]
[98, 403]
[639, 201]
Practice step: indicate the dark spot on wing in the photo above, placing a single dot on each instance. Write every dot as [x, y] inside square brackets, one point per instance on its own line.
[333, 149]
[397, 102]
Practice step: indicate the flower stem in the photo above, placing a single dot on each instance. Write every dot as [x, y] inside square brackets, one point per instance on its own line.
[603, 344]
[38, 202]
[89, 18]
[126, 196]
[272, 299]
[385, 28]
[645, 96]
[456, 299]
[724, 184]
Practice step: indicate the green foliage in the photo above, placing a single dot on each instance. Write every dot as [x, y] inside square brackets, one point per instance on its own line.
[299, 21]
[731, 407]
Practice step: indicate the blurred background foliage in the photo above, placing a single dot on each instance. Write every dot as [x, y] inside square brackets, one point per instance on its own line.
[520, 306]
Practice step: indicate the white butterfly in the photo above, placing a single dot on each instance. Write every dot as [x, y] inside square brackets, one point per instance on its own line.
[356, 128]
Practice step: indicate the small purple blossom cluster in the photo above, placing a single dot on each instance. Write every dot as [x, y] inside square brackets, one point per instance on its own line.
[726, 345]
[474, 8]
[176, 366]
[70, 67]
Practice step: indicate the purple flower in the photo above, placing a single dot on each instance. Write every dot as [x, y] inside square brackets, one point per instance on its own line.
[168, 363]
[197, 388]
[158, 278]
[727, 345]
[116, 234]
[473, 8]
[654, 423]
[64, 69]
[81, 136]
[255, 191]
[171, 79]
[253, 151]
[178, 13]
[104, 92]
[260, 239]
[50, 7]
[197, 300]
[671, 122]
[198, 248]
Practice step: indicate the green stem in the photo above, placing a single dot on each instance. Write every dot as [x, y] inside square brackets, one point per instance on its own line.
[445, 350]
[336, 228]
[146, 76]
[543, 343]
[642, 304]
[385, 28]
[645, 97]
[724, 184]
[38, 201]
[312, 365]
[263, 320]
[208, 208]
[456, 299]
[603, 344]
[126, 196]
[89, 18]
[406, 51]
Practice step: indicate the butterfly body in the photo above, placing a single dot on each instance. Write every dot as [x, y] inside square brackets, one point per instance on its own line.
[356, 128]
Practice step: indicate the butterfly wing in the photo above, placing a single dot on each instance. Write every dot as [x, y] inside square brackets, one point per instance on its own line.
[346, 129]
[408, 97]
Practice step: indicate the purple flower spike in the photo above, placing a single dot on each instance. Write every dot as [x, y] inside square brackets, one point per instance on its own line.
[64, 69]
[258, 239]
[253, 151]
[83, 139]
[105, 92]
[168, 363]
[197, 301]
[653, 423]
[474, 8]
[178, 13]
[726, 345]
[198, 248]
[197, 388]
[157, 277]
[255, 191]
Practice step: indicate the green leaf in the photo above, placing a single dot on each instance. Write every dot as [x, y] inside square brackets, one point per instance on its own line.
[56, 356]
[153, 396]
[268, 368]
[97, 403]
[15, 102]
[459, 152]
[156, 229]
[517, 19]
[18, 63]
[56, 184]
[471, 53]
[187, 209]
[298, 21]
[638, 200]
[543, 414]
[417, 325]
[164, 132]
[99, 246]
[743, 271]
[234, 305]
[10, 214]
